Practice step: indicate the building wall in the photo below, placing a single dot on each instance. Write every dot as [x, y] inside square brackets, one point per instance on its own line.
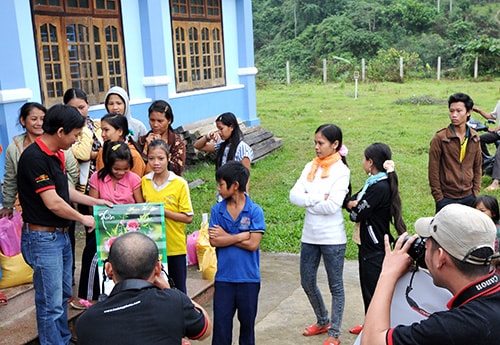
[147, 36]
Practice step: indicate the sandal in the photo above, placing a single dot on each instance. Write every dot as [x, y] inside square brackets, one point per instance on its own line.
[356, 329]
[81, 304]
[315, 329]
[3, 299]
[329, 341]
[491, 188]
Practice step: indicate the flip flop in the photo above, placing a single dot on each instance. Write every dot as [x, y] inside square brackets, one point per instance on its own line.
[3, 299]
[315, 329]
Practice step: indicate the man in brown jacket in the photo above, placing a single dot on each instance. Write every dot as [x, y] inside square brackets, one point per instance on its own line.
[455, 157]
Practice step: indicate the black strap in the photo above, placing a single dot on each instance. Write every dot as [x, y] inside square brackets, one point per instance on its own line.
[131, 284]
[485, 286]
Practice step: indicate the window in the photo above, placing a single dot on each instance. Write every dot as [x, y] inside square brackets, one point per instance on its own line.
[198, 44]
[79, 44]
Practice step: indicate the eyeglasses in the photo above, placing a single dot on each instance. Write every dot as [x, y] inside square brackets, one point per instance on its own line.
[411, 302]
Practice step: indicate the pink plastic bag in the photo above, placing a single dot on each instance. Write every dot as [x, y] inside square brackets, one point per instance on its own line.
[10, 234]
[191, 247]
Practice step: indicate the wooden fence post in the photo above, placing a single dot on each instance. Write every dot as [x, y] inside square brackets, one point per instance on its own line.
[439, 68]
[324, 71]
[401, 68]
[363, 70]
[476, 67]
[288, 73]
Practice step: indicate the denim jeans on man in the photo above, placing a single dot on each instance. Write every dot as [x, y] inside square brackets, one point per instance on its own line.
[49, 254]
[333, 259]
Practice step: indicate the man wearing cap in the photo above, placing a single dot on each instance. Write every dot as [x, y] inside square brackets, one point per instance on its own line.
[46, 199]
[458, 251]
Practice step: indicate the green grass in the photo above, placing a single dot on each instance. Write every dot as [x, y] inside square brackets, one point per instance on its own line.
[404, 116]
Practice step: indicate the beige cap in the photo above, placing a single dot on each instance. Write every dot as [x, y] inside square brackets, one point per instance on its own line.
[460, 230]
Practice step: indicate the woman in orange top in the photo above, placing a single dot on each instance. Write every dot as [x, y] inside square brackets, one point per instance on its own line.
[114, 127]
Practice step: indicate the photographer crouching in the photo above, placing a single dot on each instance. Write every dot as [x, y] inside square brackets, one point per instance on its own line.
[459, 247]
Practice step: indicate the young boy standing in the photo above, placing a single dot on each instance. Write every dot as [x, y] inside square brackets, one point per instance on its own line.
[236, 229]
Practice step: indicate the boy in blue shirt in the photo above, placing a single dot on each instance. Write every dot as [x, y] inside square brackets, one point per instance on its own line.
[236, 229]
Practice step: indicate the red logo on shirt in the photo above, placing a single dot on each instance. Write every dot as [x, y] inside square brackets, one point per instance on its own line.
[42, 178]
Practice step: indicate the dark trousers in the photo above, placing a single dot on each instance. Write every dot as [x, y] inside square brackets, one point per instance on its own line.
[229, 297]
[467, 201]
[177, 271]
[370, 266]
[491, 138]
[88, 287]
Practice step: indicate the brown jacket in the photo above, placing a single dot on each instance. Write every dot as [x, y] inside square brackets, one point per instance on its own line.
[448, 177]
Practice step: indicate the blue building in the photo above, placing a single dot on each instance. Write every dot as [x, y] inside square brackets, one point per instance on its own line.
[195, 54]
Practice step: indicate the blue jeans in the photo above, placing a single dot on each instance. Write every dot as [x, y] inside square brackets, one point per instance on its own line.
[50, 256]
[229, 297]
[333, 259]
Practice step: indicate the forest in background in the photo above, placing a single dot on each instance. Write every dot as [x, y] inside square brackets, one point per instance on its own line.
[304, 32]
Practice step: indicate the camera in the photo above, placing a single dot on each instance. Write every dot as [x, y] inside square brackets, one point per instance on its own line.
[417, 250]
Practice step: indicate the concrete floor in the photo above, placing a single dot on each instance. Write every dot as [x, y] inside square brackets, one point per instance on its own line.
[284, 310]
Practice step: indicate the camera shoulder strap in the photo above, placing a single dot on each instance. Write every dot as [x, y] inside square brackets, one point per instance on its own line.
[483, 287]
[131, 284]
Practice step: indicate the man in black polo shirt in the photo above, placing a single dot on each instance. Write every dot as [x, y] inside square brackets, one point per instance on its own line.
[45, 197]
[458, 251]
[141, 308]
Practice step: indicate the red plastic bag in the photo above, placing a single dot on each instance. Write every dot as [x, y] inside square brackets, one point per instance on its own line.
[10, 234]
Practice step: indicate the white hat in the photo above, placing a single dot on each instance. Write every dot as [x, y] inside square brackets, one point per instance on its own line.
[460, 230]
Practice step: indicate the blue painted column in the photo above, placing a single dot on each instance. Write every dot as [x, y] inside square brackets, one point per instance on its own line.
[247, 70]
[19, 80]
[156, 45]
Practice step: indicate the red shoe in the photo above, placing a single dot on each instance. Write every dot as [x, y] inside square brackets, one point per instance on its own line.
[315, 329]
[332, 341]
[356, 329]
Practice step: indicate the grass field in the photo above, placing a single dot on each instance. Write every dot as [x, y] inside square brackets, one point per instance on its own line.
[404, 116]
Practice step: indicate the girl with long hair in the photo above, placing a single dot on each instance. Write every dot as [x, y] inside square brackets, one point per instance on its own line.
[163, 185]
[227, 143]
[373, 209]
[115, 128]
[115, 182]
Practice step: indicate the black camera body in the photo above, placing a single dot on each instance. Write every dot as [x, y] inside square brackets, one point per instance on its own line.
[417, 250]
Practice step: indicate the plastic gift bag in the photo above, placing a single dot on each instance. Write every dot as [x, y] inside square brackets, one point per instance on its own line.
[15, 271]
[10, 234]
[207, 259]
[191, 241]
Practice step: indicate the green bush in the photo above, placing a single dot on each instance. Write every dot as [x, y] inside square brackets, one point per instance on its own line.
[385, 67]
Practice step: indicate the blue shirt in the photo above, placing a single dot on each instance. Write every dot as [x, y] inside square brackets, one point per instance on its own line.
[237, 265]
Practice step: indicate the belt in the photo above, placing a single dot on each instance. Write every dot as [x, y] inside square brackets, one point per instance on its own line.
[43, 228]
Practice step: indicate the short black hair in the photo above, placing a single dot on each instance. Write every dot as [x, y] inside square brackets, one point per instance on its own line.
[231, 172]
[461, 97]
[133, 256]
[62, 115]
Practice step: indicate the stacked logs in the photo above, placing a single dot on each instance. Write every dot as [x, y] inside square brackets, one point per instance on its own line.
[260, 140]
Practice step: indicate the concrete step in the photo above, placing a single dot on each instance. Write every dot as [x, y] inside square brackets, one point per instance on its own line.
[18, 317]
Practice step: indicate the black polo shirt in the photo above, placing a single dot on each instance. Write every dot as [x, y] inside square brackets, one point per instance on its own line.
[473, 319]
[39, 169]
[141, 316]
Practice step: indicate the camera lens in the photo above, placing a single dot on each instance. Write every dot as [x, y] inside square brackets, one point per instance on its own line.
[417, 250]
